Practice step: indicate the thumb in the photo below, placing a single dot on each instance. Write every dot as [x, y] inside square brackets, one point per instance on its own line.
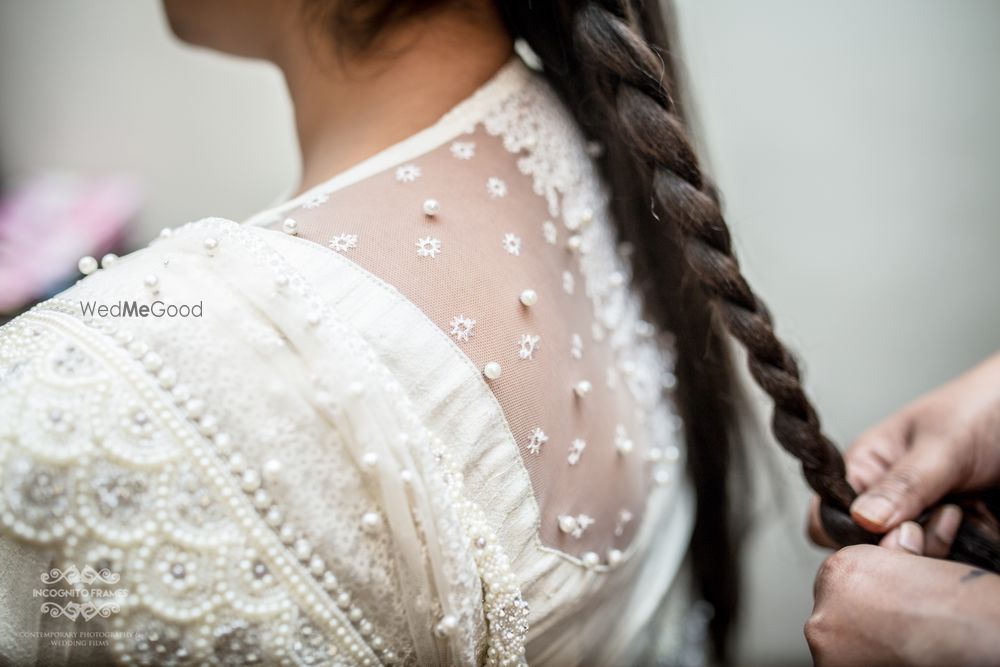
[917, 480]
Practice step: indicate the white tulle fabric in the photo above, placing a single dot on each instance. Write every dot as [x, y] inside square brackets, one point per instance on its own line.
[316, 472]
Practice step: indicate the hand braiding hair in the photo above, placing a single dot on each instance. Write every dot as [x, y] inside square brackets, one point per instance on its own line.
[629, 74]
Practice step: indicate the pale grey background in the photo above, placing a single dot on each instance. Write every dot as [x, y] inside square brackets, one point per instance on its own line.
[856, 143]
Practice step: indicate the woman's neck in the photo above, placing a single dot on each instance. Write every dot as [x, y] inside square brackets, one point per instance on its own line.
[350, 107]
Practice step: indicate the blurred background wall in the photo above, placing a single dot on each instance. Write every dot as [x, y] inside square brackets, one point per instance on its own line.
[856, 143]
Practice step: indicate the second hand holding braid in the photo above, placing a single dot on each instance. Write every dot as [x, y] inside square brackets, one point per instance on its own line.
[629, 74]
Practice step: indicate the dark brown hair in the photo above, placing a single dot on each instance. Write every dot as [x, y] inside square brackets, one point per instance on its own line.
[612, 65]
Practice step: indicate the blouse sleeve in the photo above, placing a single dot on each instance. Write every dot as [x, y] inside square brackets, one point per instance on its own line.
[245, 482]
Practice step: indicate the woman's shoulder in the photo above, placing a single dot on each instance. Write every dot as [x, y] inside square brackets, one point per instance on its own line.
[235, 470]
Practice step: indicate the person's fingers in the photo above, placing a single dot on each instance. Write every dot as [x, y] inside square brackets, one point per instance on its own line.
[907, 537]
[873, 454]
[914, 482]
[940, 531]
[815, 527]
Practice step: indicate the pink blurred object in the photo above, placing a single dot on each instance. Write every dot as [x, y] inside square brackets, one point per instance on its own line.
[51, 221]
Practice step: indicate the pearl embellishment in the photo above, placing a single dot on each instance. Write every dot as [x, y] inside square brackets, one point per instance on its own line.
[614, 557]
[582, 388]
[431, 207]
[272, 467]
[290, 227]
[567, 523]
[445, 626]
[370, 522]
[210, 245]
[529, 297]
[591, 559]
[152, 283]
[492, 370]
[87, 265]
[109, 260]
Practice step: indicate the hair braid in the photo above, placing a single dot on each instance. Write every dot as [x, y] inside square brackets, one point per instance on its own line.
[629, 74]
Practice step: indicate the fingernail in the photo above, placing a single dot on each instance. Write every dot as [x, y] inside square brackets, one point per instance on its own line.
[874, 509]
[910, 538]
[947, 523]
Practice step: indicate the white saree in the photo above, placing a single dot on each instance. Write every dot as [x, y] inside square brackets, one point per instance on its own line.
[317, 470]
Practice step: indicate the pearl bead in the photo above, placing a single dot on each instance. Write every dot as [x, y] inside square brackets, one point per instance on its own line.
[251, 481]
[672, 453]
[654, 455]
[567, 523]
[87, 265]
[370, 459]
[661, 476]
[591, 559]
[166, 233]
[303, 550]
[431, 207]
[312, 319]
[271, 468]
[370, 522]
[109, 260]
[210, 244]
[445, 626]
[152, 283]
[575, 242]
[492, 370]
[624, 446]
[586, 216]
[582, 388]
[290, 226]
[614, 557]
[529, 297]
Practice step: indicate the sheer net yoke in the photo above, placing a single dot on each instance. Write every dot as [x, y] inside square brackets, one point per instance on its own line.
[500, 235]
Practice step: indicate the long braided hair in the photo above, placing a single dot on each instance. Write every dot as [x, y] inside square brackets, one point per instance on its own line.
[610, 61]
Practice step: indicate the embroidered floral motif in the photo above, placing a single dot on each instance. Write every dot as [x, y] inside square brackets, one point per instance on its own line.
[528, 344]
[463, 150]
[536, 440]
[407, 173]
[344, 242]
[496, 187]
[461, 327]
[512, 243]
[624, 517]
[576, 347]
[316, 201]
[623, 443]
[550, 232]
[574, 525]
[428, 247]
[576, 451]
[568, 282]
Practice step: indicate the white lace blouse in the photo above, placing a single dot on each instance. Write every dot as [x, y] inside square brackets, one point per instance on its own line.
[413, 416]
